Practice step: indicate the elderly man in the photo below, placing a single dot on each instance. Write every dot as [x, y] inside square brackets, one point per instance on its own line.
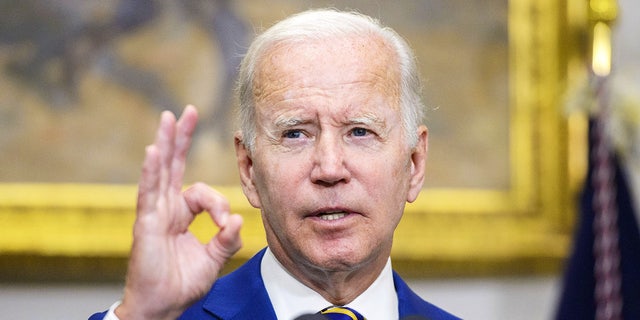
[331, 148]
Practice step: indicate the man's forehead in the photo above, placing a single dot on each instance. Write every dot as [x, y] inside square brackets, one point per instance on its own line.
[354, 52]
[324, 63]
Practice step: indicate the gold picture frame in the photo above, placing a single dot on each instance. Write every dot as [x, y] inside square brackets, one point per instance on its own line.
[524, 228]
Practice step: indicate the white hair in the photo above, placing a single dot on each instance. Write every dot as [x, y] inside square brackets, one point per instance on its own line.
[323, 24]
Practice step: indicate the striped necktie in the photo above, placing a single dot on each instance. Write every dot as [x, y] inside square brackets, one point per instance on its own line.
[341, 313]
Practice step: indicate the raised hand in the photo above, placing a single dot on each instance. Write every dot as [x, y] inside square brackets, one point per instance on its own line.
[169, 268]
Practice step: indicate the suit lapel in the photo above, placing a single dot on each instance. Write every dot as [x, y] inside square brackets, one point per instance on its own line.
[241, 294]
[410, 304]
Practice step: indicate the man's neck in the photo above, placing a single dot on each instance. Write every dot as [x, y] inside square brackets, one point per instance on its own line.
[290, 298]
[338, 287]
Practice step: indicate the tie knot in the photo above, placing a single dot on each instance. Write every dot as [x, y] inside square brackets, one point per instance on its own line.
[341, 313]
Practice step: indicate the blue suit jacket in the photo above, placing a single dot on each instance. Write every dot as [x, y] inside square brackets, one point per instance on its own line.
[241, 295]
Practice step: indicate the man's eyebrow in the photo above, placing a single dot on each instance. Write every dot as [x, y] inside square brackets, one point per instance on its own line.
[367, 119]
[287, 122]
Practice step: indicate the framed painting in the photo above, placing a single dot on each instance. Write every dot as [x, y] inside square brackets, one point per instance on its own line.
[83, 88]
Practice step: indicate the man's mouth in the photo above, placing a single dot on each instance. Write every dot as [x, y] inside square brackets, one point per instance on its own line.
[328, 216]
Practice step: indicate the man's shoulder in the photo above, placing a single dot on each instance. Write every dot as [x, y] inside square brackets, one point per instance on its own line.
[411, 304]
[247, 273]
[240, 292]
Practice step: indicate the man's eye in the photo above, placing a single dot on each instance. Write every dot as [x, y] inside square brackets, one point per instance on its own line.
[292, 134]
[359, 132]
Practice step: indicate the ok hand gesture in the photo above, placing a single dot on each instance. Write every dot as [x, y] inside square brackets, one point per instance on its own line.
[169, 268]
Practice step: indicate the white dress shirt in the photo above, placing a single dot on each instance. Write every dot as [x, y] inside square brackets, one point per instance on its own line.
[290, 298]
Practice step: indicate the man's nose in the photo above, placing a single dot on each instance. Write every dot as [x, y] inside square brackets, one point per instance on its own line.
[330, 167]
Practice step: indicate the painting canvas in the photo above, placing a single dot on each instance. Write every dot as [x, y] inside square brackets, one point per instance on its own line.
[82, 83]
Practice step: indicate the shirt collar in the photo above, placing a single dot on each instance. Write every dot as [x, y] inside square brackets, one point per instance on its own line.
[290, 298]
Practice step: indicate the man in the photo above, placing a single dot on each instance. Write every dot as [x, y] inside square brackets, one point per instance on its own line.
[331, 148]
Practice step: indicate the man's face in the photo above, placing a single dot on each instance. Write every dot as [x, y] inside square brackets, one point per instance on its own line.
[331, 169]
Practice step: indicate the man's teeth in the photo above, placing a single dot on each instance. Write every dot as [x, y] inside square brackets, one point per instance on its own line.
[332, 216]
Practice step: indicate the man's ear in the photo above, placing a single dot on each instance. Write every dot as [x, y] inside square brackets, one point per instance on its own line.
[245, 166]
[418, 163]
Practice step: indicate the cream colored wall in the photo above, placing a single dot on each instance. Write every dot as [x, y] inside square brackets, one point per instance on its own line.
[626, 73]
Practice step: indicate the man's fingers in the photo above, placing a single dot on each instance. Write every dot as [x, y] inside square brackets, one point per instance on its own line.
[227, 242]
[164, 164]
[154, 176]
[183, 136]
[165, 140]
[149, 180]
[200, 197]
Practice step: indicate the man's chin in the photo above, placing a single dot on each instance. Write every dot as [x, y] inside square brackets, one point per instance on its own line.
[336, 261]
